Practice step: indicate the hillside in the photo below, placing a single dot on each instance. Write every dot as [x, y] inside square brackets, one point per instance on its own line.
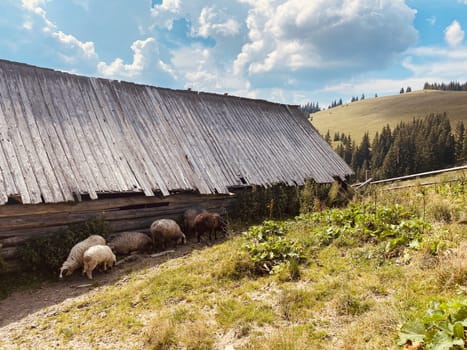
[373, 113]
[362, 271]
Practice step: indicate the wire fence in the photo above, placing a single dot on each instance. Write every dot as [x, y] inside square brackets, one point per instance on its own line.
[443, 195]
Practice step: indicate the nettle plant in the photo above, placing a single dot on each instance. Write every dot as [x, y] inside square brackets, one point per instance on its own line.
[270, 249]
[443, 327]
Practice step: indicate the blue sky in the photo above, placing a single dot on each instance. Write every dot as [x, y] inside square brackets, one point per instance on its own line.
[288, 51]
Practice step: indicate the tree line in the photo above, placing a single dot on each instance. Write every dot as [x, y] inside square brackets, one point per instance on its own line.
[451, 86]
[411, 147]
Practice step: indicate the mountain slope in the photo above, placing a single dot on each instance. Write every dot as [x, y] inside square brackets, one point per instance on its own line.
[372, 114]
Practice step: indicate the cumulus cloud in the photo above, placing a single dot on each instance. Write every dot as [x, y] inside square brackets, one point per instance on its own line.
[141, 53]
[212, 22]
[337, 36]
[224, 18]
[198, 70]
[288, 43]
[454, 34]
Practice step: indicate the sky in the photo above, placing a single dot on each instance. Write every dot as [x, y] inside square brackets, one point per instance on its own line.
[286, 51]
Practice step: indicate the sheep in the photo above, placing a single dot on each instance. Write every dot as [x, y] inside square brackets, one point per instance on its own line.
[95, 255]
[209, 222]
[189, 219]
[75, 257]
[166, 230]
[128, 242]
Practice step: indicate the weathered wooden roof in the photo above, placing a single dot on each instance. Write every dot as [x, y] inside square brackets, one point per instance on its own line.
[63, 135]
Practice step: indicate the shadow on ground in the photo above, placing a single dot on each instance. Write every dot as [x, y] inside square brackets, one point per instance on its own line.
[25, 302]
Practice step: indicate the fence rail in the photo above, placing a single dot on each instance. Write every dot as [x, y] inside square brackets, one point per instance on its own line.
[408, 177]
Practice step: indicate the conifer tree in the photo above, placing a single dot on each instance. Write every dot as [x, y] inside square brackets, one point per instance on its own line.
[459, 135]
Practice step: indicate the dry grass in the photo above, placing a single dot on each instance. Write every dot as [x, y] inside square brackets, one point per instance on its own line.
[372, 114]
[452, 268]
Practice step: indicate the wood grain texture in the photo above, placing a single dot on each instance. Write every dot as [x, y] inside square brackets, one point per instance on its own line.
[64, 137]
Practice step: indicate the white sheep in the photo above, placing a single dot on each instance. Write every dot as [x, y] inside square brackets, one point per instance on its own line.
[95, 255]
[75, 257]
[166, 230]
[127, 242]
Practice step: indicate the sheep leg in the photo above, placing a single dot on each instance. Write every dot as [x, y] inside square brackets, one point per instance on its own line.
[89, 270]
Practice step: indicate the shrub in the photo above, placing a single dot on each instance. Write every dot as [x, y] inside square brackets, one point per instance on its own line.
[269, 249]
[440, 211]
[258, 203]
[46, 253]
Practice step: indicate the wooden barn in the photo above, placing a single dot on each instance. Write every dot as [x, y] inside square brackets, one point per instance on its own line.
[74, 147]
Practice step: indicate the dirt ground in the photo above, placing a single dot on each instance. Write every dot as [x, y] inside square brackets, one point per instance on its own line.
[20, 304]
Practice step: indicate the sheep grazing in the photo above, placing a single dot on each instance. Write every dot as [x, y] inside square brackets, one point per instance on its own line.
[164, 231]
[128, 242]
[95, 255]
[210, 223]
[189, 219]
[75, 257]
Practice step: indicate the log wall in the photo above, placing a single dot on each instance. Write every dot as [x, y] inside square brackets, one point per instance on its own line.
[136, 212]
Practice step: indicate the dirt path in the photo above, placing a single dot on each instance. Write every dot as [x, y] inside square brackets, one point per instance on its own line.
[20, 304]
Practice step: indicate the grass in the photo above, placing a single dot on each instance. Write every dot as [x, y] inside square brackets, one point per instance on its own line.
[349, 294]
[373, 113]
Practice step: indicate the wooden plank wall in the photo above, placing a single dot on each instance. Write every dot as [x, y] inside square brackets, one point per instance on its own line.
[21, 222]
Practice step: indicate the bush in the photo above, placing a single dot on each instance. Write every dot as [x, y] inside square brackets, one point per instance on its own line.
[47, 253]
[357, 224]
[270, 251]
[441, 211]
[258, 203]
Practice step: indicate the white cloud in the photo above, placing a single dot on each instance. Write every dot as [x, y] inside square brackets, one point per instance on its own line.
[86, 47]
[212, 22]
[224, 18]
[198, 70]
[142, 50]
[76, 49]
[432, 20]
[454, 34]
[336, 35]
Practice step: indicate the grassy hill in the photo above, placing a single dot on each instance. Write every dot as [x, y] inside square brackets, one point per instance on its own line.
[362, 272]
[372, 114]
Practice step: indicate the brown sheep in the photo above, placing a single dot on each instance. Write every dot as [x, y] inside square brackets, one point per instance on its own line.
[210, 223]
[164, 231]
[127, 242]
[189, 219]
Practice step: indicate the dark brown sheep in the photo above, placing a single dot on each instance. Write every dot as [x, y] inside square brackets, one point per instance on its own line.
[189, 219]
[210, 223]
